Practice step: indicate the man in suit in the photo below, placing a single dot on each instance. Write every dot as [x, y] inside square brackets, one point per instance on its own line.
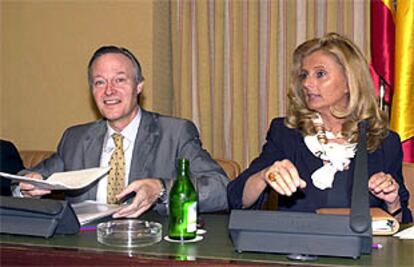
[10, 162]
[151, 144]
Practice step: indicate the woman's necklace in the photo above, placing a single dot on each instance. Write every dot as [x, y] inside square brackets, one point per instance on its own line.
[336, 155]
[320, 130]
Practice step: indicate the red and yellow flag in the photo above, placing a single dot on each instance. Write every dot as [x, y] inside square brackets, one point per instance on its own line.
[392, 53]
[383, 45]
[402, 109]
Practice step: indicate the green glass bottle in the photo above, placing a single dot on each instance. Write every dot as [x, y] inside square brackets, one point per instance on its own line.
[182, 205]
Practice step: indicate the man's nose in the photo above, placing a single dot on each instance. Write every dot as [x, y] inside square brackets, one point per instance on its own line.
[109, 89]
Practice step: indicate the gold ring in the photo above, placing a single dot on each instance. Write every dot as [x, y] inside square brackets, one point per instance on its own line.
[272, 177]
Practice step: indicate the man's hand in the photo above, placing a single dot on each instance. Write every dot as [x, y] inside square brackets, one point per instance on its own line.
[147, 193]
[29, 190]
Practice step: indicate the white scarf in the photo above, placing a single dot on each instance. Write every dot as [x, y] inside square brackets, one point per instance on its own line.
[337, 155]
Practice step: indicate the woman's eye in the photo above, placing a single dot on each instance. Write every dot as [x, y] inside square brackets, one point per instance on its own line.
[302, 76]
[320, 74]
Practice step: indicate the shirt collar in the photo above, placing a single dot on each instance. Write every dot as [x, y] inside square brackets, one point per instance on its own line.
[129, 132]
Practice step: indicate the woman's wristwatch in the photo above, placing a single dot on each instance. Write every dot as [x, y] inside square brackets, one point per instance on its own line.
[396, 212]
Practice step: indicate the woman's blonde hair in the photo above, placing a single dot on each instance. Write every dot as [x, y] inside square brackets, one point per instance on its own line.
[362, 104]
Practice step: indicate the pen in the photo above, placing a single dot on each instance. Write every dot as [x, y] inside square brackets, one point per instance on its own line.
[376, 246]
[88, 228]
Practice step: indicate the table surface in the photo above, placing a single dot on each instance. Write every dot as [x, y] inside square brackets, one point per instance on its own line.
[215, 247]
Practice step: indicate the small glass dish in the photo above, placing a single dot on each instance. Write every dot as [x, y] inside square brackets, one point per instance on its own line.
[129, 233]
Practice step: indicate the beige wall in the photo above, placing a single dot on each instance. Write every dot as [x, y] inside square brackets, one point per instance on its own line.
[45, 47]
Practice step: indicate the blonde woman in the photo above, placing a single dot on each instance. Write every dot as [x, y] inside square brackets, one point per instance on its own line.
[308, 158]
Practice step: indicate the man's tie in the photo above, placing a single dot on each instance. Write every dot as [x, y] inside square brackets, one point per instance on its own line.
[117, 173]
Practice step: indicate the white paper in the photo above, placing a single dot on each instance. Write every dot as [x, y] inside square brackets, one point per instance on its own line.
[89, 211]
[70, 180]
[406, 233]
[383, 225]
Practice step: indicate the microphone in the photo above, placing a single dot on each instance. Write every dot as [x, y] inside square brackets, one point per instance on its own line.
[360, 218]
[307, 233]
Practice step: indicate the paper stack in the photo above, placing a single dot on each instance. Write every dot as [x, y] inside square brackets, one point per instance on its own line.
[406, 234]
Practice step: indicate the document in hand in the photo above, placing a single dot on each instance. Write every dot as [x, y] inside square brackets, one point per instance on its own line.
[88, 211]
[382, 222]
[70, 180]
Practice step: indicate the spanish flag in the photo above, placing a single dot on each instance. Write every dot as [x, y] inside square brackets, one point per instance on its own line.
[383, 46]
[392, 47]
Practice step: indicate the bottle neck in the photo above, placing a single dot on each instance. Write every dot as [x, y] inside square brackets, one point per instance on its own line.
[183, 169]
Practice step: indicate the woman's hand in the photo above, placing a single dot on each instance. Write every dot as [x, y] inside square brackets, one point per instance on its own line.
[283, 177]
[384, 187]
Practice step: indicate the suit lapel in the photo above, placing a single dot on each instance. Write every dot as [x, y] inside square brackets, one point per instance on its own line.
[310, 164]
[147, 136]
[92, 146]
[93, 143]
[310, 161]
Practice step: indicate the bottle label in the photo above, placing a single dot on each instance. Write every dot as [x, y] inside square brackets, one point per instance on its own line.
[192, 217]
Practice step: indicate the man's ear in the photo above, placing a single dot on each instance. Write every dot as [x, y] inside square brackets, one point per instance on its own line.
[140, 87]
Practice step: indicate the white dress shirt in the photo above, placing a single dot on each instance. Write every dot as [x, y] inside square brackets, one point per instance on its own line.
[129, 133]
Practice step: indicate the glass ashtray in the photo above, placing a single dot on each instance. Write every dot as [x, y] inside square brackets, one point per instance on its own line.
[129, 233]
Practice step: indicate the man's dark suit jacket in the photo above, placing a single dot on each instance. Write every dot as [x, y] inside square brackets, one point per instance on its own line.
[160, 142]
[10, 162]
[286, 143]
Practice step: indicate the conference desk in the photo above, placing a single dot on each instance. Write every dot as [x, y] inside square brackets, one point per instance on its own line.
[215, 249]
